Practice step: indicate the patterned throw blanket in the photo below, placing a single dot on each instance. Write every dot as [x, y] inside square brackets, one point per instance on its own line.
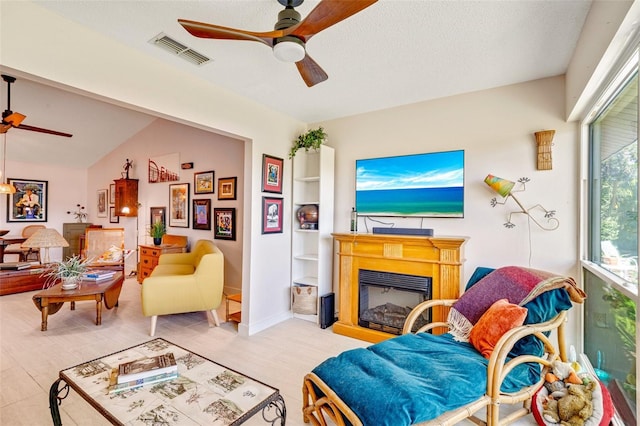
[518, 285]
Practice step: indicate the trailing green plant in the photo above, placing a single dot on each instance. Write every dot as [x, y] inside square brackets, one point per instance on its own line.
[310, 140]
[73, 267]
[157, 230]
[624, 314]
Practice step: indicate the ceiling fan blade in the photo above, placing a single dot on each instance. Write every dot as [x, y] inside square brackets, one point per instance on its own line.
[204, 30]
[310, 71]
[326, 14]
[41, 130]
[15, 118]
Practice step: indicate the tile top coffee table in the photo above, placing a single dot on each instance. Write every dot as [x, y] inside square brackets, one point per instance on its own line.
[203, 393]
[50, 301]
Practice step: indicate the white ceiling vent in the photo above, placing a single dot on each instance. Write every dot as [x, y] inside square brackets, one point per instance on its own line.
[188, 54]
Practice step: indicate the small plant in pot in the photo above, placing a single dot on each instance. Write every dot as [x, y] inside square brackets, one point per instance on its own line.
[310, 140]
[69, 271]
[156, 231]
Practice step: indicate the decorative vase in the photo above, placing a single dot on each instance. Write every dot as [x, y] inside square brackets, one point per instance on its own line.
[308, 216]
[157, 241]
[69, 283]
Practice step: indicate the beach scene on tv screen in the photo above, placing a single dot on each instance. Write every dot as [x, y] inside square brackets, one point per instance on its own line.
[426, 185]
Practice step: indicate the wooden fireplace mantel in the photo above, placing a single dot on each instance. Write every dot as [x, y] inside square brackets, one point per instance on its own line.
[440, 258]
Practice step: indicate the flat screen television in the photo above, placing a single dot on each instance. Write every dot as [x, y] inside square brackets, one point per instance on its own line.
[422, 185]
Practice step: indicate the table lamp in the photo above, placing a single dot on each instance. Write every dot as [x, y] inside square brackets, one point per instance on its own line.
[505, 187]
[45, 238]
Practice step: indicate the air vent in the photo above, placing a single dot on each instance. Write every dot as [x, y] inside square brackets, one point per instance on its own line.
[188, 54]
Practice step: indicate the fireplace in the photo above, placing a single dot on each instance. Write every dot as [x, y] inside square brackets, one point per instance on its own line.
[386, 298]
[437, 258]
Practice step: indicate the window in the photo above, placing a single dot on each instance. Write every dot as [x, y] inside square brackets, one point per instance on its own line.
[611, 276]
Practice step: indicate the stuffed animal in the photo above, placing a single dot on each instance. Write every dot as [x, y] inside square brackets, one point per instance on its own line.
[570, 406]
[576, 406]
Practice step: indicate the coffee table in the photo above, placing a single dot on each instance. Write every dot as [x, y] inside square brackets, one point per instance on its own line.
[50, 301]
[204, 392]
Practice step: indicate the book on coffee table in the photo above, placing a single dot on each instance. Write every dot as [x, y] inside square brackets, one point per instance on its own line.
[147, 367]
[115, 387]
[97, 275]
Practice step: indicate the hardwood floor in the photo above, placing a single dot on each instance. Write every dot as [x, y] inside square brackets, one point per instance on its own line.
[30, 359]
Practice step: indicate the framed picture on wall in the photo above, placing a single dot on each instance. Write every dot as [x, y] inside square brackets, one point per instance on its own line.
[225, 228]
[272, 174]
[201, 214]
[29, 202]
[271, 215]
[179, 205]
[203, 182]
[158, 214]
[112, 215]
[112, 193]
[227, 188]
[102, 203]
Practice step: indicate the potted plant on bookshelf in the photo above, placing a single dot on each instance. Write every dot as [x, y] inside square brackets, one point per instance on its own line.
[69, 271]
[310, 140]
[156, 231]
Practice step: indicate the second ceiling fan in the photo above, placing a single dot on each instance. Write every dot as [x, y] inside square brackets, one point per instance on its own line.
[290, 35]
[12, 119]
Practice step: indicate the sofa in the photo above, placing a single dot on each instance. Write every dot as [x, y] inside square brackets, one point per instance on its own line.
[185, 282]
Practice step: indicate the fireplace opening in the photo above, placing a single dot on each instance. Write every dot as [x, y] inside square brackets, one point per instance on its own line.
[386, 299]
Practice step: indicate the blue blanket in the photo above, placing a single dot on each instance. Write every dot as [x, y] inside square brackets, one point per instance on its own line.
[413, 378]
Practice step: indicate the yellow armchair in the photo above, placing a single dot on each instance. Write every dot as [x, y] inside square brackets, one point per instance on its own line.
[185, 282]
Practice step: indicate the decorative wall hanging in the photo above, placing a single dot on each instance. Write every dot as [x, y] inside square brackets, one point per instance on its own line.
[225, 228]
[112, 193]
[272, 174]
[544, 142]
[227, 188]
[505, 189]
[179, 205]
[164, 168]
[271, 215]
[29, 202]
[201, 214]
[203, 182]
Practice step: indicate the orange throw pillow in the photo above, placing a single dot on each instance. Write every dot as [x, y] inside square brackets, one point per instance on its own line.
[501, 317]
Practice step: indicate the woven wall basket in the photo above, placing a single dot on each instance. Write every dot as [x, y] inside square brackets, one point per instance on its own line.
[305, 300]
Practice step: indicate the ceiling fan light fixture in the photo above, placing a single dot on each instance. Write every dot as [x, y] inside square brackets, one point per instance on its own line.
[289, 49]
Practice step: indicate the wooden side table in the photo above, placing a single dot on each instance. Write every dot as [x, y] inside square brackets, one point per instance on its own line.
[234, 316]
[149, 256]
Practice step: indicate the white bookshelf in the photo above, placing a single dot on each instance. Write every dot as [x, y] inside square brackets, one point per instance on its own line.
[312, 257]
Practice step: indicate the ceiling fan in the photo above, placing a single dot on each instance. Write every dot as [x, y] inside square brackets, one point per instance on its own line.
[14, 119]
[290, 34]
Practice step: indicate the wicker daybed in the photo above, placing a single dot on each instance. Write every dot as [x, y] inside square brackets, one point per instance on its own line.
[427, 379]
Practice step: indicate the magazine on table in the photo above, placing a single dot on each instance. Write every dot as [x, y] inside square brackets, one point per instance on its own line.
[146, 367]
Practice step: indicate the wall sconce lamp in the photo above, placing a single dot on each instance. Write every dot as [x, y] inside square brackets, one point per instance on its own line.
[505, 187]
[544, 142]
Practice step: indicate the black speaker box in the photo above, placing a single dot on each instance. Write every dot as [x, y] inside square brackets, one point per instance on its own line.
[327, 310]
[426, 232]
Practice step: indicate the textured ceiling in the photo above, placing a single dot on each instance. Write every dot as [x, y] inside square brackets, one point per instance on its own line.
[393, 53]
